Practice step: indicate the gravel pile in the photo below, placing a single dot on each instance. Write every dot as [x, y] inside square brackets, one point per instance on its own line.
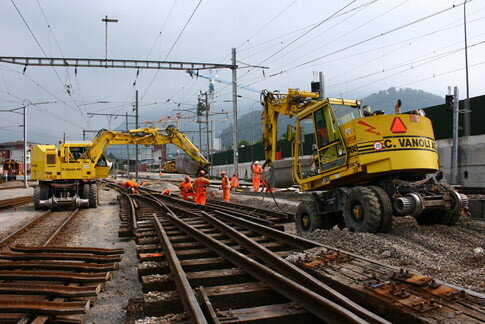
[452, 254]
[169, 318]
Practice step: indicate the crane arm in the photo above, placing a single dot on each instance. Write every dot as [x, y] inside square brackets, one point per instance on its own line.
[143, 136]
[274, 104]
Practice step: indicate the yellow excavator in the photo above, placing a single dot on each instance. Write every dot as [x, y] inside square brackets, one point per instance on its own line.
[67, 175]
[365, 166]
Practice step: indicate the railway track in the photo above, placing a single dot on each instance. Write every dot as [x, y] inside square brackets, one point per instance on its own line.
[208, 260]
[40, 282]
[218, 266]
[14, 202]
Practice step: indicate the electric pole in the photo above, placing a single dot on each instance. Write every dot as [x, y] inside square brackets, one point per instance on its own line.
[107, 20]
[466, 107]
[136, 126]
[127, 149]
[234, 111]
[25, 147]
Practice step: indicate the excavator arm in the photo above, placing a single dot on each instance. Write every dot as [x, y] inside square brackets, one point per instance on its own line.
[274, 104]
[143, 136]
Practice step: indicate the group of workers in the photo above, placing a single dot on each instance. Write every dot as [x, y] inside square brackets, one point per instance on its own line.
[197, 190]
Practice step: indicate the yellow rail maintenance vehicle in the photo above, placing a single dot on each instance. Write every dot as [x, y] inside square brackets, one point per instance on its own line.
[365, 167]
[67, 174]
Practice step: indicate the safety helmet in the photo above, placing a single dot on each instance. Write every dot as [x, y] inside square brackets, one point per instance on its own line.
[187, 178]
[223, 172]
[256, 162]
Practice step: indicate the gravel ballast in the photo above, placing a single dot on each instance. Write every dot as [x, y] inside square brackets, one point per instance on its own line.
[454, 254]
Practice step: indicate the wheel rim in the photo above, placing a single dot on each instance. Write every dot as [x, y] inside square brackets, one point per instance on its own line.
[305, 222]
[357, 212]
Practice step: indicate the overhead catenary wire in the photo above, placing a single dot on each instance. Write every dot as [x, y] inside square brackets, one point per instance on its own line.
[173, 46]
[358, 43]
[45, 54]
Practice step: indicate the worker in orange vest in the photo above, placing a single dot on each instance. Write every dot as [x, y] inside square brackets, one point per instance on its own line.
[226, 186]
[234, 182]
[257, 175]
[166, 192]
[132, 186]
[186, 188]
[200, 188]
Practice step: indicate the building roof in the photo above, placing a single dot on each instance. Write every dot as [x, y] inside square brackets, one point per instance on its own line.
[15, 143]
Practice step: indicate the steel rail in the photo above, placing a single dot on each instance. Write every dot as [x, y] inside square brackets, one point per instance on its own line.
[54, 236]
[189, 301]
[12, 202]
[291, 271]
[311, 301]
[212, 207]
[24, 228]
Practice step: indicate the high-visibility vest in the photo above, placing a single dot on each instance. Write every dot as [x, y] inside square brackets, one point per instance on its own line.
[186, 186]
[257, 171]
[234, 182]
[225, 183]
[200, 184]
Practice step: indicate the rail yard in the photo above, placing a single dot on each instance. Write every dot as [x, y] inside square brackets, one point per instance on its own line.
[152, 258]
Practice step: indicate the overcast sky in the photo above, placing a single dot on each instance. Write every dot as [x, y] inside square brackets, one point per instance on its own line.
[293, 38]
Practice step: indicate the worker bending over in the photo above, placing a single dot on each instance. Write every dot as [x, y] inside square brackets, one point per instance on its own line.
[226, 186]
[200, 188]
[186, 188]
[132, 186]
[257, 174]
[234, 182]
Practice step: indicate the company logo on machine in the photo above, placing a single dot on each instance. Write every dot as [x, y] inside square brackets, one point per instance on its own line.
[378, 146]
[370, 128]
[398, 143]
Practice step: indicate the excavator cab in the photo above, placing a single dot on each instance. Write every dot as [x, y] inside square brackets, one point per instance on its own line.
[329, 150]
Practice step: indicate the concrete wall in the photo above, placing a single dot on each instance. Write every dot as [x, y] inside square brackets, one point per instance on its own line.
[471, 160]
[471, 163]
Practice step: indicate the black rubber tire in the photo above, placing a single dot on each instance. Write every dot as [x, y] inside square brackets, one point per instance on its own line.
[37, 197]
[366, 200]
[307, 218]
[41, 192]
[93, 195]
[85, 191]
[385, 225]
[428, 218]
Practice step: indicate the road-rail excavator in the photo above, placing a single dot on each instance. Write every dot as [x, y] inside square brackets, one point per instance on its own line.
[365, 166]
[67, 175]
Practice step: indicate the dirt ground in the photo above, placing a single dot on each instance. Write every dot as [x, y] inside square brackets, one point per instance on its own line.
[13, 218]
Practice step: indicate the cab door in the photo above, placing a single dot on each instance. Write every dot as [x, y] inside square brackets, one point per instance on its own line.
[330, 147]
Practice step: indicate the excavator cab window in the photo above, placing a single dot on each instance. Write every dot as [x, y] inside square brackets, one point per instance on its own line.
[76, 152]
[306, 166]
[344, 114]
[102, 161]
[330, 146]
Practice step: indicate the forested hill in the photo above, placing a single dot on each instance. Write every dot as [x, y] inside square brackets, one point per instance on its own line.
[410, 99]
[250, 124]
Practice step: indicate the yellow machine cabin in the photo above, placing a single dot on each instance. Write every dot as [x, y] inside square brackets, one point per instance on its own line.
[365, 166]
[67, 175]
